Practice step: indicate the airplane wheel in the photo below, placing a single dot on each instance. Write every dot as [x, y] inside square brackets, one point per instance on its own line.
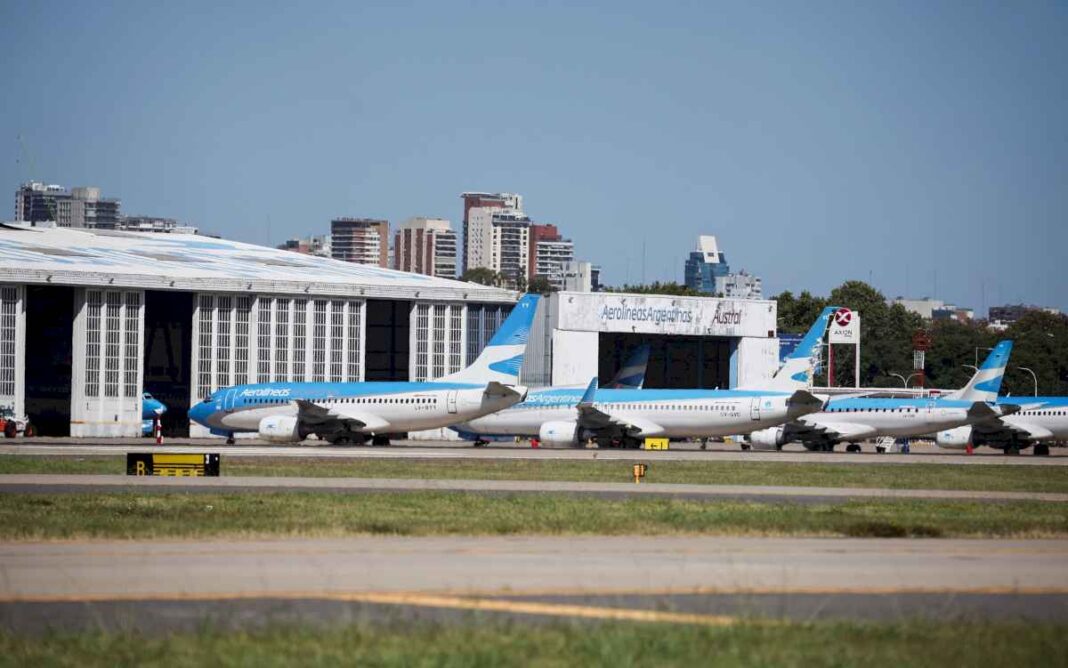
[29, 431]
[745, 446]
[880, 449]
[10, 430]
[380, 440]
[230, 440]
[1041, 451]
[1012, 450]
[853, 447]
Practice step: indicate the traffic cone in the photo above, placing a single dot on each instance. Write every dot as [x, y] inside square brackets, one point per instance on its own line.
[158, 429]
[969, 449]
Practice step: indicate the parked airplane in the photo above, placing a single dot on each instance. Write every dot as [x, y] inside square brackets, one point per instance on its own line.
[630, 376]
[345, 413]
[151, 409]
[853, 419]
[1040, 420]
[568, 416]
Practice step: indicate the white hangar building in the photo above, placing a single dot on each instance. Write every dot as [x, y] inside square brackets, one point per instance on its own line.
[91, 319]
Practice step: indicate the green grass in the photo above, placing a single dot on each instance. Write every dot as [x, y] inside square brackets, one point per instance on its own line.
[894, 476]
[188, 515]
[619, 645]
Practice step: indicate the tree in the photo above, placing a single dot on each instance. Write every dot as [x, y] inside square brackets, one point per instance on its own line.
[482, 276]
[540, 285]
[658, 288]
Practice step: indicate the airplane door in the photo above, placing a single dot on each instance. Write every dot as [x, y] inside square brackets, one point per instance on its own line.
[754, 409]
[450, 401]
[228, 400]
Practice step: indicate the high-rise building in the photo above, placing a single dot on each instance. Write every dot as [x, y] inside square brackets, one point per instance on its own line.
[477, 200]
[79, 207]
[153, 224]
[314, 245]
[705, 265]
[578, 276]
[360, 240]
[707, 271]
[425, 246]
[549, 251]
[499, 239]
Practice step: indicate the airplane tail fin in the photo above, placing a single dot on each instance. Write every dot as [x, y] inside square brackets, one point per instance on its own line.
[631, 375]
[502, 358]
[797, 369]
[986, 383]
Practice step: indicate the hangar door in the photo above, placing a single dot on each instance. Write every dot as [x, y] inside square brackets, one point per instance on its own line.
[106, 377]
[675, 362]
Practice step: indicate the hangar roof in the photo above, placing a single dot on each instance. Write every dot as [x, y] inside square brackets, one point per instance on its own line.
[64, 256]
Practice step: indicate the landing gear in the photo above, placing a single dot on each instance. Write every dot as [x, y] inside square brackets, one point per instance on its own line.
[853, 447]
[230, 439]
[1012, 450]
[380, 440]
[1041, 451]
[480, 443]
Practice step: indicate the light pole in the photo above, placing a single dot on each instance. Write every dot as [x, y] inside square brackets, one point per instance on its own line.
[1033, 376]
[911, 376]
[904, 381]
[977, 349]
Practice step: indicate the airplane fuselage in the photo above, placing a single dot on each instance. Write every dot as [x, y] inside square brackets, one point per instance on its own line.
[399, 406]
[679, 413]
[889, 417]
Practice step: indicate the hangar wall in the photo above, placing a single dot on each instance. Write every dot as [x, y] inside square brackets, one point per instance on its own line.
[13, 347]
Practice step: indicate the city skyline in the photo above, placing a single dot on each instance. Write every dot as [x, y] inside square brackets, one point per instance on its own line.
[918, 147]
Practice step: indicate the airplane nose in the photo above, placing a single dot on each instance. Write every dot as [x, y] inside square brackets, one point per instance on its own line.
[200, 413]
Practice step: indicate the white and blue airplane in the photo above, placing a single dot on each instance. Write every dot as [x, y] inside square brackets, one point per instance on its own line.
[851, 419]
[346, 413]
[571, 417]
[630, 376]
[1040, 421]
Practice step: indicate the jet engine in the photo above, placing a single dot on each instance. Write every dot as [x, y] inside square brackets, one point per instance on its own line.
[954, 439]
[560, 433]
[771, 438]
[280, 429]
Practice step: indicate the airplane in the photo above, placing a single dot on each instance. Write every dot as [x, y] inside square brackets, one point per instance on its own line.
[630, 376]
[348, 413]
[1040, 420]
[624, 417]
[852, 419]
[151, 408]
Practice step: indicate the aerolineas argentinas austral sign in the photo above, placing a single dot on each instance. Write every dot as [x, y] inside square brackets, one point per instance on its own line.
[655, 314]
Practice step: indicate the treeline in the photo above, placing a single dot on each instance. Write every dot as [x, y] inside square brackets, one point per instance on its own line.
[1040, 343]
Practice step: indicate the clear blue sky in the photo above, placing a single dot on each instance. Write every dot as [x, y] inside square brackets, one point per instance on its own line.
[923, 145]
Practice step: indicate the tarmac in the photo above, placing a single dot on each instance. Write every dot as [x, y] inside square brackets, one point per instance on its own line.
[922, 453]
[173, 585]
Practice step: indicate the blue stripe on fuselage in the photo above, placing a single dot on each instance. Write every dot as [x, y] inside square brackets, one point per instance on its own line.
[318, 391]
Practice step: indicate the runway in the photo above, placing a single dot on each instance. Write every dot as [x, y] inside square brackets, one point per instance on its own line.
[60, 483]
[455, 450]
[686, 579]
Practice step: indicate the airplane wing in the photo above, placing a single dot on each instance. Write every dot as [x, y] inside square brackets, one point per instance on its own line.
[1000, 431]
[816, 432]
[496, 389]
[590, 416]
[311, 413]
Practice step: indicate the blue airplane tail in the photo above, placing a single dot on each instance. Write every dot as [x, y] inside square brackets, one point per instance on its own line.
[631, 375]
[986, 383]
[502, 358]
[796, 370]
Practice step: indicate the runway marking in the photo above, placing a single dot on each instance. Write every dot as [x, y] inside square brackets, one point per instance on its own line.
[493, 599]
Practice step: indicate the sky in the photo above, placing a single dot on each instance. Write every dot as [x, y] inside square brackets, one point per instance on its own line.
[920, 146]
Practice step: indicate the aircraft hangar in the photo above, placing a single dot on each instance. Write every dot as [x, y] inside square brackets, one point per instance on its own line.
[90, 319]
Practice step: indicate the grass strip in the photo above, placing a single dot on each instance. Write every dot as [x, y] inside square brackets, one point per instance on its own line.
[891, 476]
[194, 515]
[498, 643]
